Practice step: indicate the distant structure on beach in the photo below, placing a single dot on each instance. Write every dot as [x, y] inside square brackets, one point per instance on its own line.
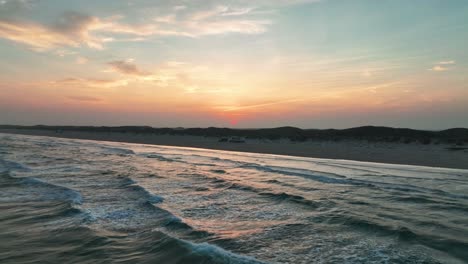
[232, 139]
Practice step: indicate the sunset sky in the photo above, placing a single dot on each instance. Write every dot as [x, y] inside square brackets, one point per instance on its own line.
[238, 63]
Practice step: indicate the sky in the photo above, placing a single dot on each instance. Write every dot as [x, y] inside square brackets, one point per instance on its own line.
[237, 63]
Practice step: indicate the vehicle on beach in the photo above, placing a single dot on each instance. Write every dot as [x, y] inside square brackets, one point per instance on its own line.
[232, 139]
[237, 140]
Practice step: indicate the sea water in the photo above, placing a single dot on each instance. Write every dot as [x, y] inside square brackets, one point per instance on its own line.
[80, 201]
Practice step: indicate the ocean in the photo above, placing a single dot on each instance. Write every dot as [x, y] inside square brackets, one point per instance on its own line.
[81, 201]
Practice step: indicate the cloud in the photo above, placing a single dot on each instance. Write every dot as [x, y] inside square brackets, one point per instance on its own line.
[221, 11]
[209, 13]
[258, 105]
[127, 68]
[228, 26]
[63, 53]
[74, 29]
[84, 98]
[270, 3]
[223, 20]
[442, 66]
[238, 12]
[446, 62]
[178, 76]
[168, 74]
[96, 83]
[438, 68]
[36, 36]
[179, 7]
[164, 76]
[169, 19]
[11, 8]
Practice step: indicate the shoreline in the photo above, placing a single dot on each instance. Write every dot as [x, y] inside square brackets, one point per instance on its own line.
[432, 155]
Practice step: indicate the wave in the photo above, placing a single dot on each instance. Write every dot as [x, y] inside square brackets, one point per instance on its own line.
[58, 243]
[413, 178]
[60, 231]
[219, 183]
[6, 165]
[133, 186]
[119, 151]
[291, 198]
[329, 178]
[382, 169]
[49, 191]
[315, 177]
[167, 219]
[160, 157]
[449, 245]
[37, 205]
[343, 180]
[281, 197]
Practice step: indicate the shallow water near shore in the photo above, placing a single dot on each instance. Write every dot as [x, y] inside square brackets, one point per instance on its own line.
[78, 201]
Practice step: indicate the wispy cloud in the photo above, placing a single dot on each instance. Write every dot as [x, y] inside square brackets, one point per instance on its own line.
[229, 26]
[161, 76]
[176, 74]
[10, 7]
[84, 98]
[213, 21]
[179, 7]
[438, 68]
[95, 83]
[220, 11]
[36, 36]
[183, 19]
[275, 3]
[446, 62]
[74, 29]
[167, 19]
[443, 66]
[127, 68]
[258, 105]
[238, 11]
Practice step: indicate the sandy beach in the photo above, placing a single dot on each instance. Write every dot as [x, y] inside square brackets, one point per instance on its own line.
[433, 155]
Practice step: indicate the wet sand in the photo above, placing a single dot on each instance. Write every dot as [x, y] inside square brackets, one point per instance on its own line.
[440, 155]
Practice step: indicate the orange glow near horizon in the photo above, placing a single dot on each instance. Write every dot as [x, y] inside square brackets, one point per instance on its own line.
[242, 64]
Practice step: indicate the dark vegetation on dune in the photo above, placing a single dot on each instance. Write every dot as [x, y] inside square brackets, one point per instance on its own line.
[458, 136]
